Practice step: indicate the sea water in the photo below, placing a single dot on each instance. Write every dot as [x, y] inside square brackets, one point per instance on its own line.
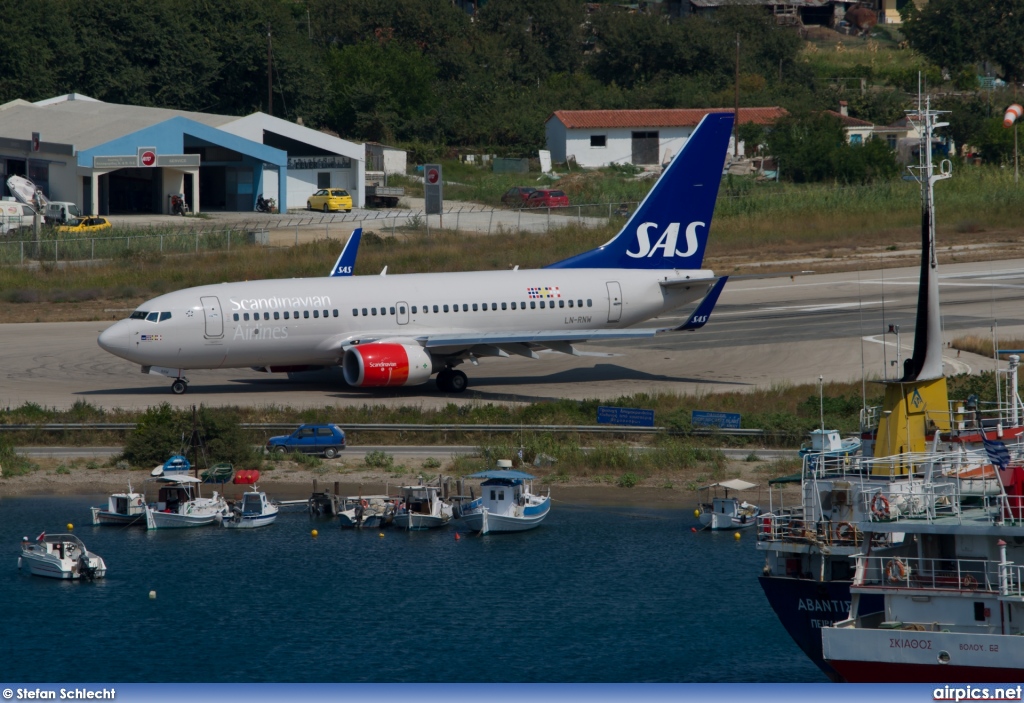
[595, 594]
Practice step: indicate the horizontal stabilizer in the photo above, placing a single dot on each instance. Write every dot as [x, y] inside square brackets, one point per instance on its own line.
[702, 314]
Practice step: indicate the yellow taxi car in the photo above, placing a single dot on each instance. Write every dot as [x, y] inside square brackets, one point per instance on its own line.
[328, 199]
[87, 224]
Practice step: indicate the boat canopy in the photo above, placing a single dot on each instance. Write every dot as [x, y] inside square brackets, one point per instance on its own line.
[179, 478]
[733, 484]
[504, 473]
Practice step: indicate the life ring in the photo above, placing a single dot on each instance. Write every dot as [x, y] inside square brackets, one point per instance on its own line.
[796, 528]
[970, 583]
[896, 570]
[880, 506]
[845, 532]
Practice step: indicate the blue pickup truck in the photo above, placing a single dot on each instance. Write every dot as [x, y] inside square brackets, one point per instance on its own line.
[310, 439]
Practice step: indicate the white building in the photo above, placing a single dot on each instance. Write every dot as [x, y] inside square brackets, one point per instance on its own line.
[122, 159]
[596, 138]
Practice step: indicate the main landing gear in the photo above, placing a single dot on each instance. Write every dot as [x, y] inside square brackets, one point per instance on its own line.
[451, 381]
[179, 386]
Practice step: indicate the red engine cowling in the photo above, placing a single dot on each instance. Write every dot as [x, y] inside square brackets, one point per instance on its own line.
[376, 365]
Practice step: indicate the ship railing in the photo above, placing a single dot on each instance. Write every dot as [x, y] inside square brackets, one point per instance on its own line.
[1012, 583]
[961, 416]
[897, 466]
[942, 497]
[960, 575]
[794, 529]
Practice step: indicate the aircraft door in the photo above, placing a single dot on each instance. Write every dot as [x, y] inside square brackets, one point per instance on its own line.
[402, 311]
[614, 301]
[214, 319]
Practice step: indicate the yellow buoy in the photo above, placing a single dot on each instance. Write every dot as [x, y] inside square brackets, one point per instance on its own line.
[380, 534]
[70, 527]
[696, 513]
[736, 535]
[152, 595]
[314, 533]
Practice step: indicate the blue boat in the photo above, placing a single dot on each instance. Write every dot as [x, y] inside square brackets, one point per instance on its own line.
[828, 443]
[174, 466]
[507, 502]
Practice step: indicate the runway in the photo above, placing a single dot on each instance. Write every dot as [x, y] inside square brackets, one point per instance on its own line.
[764, 333]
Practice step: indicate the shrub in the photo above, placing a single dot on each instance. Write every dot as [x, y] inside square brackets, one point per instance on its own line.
[379, 460]
[628, 480]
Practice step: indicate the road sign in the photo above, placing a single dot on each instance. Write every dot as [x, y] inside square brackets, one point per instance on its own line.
[637, 417]
[433, 194]
[147, 156]
[706, 418]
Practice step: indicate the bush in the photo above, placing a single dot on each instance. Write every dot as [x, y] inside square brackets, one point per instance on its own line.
[628, 480]
[379, 460]
[163, 431]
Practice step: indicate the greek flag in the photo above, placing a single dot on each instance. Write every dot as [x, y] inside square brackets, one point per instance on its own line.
[997, 452]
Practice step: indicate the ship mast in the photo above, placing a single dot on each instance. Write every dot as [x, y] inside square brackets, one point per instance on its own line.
[926, 362]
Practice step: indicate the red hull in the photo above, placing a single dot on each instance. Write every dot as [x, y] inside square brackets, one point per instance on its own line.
[883, 672]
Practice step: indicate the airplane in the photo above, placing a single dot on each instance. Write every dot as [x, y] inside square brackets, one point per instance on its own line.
[402, 329]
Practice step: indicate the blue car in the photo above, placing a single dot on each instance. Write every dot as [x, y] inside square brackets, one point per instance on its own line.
[327, 440]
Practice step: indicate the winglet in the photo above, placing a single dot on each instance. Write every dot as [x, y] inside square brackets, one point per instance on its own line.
[702, 314]
[346, 263]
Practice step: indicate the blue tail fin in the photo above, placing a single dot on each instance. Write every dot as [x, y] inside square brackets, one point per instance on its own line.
[702, 314]
[669, 229]
[346, 263]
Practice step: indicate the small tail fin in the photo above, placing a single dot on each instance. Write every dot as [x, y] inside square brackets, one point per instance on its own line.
[702, 314]
[669, 229]
[346, 263]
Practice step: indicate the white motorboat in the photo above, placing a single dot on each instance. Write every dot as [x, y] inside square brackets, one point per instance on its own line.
[421, 508]
[725, 512]
[507, 502]
[179, 504]
[61, 556]
[122, 509]
[254, 510]
[367, 511]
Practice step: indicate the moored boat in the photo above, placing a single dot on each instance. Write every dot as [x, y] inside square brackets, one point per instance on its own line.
[829, 443]
[175, 466]
[366, 511]
[254, 510]
[179, 504]
[60, 556]
[127, 508]
[507, 502]
[218, 473]
[722, 512]
[421, 508]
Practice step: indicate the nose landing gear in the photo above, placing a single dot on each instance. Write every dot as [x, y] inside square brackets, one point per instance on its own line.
[451, 381]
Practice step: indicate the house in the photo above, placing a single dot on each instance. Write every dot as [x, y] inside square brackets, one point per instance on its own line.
[389, 160]
[122, 159]
[596, 138]
[857, 131]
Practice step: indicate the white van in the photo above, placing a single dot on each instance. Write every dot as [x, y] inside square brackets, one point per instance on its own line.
[15, 215]
[61, 212]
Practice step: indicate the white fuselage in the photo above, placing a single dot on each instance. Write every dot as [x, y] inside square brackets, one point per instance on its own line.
[309, 321]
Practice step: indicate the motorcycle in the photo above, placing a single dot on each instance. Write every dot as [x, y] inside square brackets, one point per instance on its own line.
[265, 204]
[178, 205]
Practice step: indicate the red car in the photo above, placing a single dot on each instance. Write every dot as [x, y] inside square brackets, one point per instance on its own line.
[516, 197]
[545, 197]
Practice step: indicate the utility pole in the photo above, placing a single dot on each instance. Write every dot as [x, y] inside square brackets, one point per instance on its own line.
[270, 83]
[736, 112]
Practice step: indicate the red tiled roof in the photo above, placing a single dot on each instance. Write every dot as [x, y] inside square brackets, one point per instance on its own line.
[845, 119]
[591, 119]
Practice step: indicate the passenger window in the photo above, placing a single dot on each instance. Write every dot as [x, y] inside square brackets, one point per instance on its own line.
[335, 312]
[542, 305]
[579, 303]
[153, 317]
[392, 310]
[305, 314]
[513, 305]
[503, 306]
[165, 316]
[474, 307]
[401, 309]
[522, 305]
[266, 316]
[445, 308]
[316, 313]
[413, 309]
[236, 317]
[296, 314]
[435, 309]
[277, 315]
[455, 308]
[561, 303]
[286, 314]
[570, 302]
[533, 304]
[494, 306]
[325, 313]
[355, 312]
[245, 317]
[590, 303]
[365, 313]
[465, 307]
[373, 311]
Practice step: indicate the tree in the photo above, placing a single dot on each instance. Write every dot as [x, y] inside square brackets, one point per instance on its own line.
[813, 147]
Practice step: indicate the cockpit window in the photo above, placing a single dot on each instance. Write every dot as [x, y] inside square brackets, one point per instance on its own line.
[138, 315]
[153, 317]
[165, 316]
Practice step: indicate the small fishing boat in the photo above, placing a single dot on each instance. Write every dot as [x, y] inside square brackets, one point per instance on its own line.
[61, 556]
[367, 511]
[724, 512]
[507, 502]
[830, 444]
[421, 508]
[179, 504]
[122, 509]
[174, 466]
[254, 510]
[218, 473]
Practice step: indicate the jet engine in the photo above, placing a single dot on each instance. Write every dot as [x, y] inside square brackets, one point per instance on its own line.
[382, 364]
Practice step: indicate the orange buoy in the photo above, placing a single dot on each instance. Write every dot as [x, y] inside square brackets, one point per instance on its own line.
[457, 537]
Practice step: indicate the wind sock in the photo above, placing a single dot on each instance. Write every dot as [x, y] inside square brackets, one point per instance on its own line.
[1013, 114]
